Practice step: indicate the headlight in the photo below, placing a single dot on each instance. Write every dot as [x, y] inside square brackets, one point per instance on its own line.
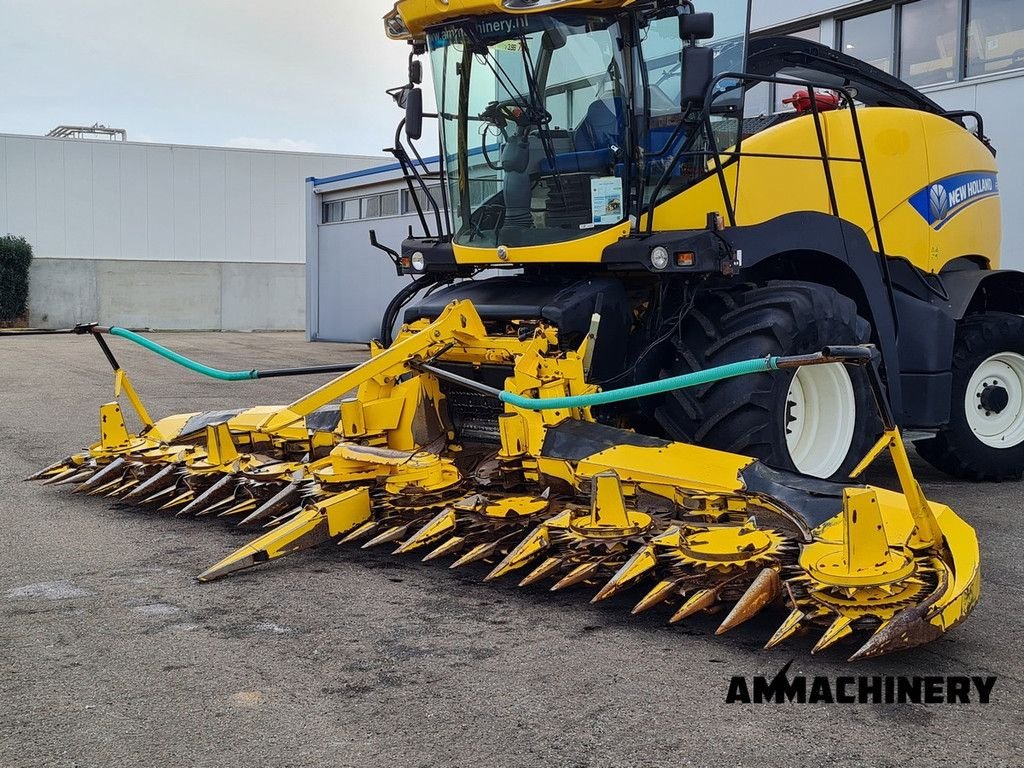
[419, 263]
[659, 257]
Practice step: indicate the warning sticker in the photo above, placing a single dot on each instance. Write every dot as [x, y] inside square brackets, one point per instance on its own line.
[606, 200]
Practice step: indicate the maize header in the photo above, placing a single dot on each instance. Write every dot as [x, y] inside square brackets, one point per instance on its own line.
[561, 499]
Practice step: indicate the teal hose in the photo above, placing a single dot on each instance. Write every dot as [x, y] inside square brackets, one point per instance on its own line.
[743, 368]
[695, 379]
[183, 361]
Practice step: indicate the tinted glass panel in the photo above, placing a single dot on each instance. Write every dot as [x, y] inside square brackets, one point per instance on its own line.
[869, 38]
[928, 41]
[389, 204]
[995, 36]
[371, 207]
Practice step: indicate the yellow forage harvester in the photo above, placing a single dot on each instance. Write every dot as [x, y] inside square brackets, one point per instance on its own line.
[374, 458]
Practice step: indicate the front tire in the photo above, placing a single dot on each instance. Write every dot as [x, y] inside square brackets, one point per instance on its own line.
[985, 436]
[816, 420]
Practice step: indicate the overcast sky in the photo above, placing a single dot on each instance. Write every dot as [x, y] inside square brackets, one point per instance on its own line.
[291, 74]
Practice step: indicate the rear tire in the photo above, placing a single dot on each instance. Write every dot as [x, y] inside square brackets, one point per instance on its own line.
[818, 420]
[985, 436]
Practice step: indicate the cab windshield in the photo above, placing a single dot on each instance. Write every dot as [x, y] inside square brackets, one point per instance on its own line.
[557, 125]
[534, 126]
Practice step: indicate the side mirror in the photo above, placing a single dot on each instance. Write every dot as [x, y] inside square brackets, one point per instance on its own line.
[414, 114]
[698, 71]
[415, 71]
[697, 26]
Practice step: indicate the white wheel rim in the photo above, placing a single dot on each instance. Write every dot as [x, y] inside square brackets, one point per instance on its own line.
[994, 424]
[820, 419]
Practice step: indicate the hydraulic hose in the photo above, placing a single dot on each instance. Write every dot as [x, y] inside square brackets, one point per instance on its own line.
[184, 362]
[205, 370]
[695, 379]
[400, 299]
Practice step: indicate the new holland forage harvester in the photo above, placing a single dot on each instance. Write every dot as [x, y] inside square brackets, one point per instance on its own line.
[678, 270]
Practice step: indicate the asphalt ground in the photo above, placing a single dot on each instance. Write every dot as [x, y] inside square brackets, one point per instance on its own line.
[111, 654]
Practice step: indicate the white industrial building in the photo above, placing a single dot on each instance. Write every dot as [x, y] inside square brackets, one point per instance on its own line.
[161, 236]
[965, 54]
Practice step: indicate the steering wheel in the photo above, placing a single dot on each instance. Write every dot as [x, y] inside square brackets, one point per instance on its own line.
[501, 114]
[483, 145]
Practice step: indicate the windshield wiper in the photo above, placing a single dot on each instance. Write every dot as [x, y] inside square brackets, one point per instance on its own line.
[530, 104]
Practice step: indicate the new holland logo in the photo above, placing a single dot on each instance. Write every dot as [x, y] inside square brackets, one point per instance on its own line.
[941, 201]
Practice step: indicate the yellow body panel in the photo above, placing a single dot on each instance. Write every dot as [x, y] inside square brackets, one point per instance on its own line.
[418, 15]
[581, 251]
[907, 151]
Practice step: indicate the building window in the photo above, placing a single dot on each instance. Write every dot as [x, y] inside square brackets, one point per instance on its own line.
[408, 206]
[335, 211]
[995, 36]
[377, 206]
[929, 41]
[370, 207]
[389, 203]
[332, 212]
[870, 38]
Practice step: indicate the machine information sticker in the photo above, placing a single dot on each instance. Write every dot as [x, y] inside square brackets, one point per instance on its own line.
[606, 200]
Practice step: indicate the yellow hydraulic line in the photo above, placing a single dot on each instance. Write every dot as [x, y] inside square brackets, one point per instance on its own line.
[459, 318]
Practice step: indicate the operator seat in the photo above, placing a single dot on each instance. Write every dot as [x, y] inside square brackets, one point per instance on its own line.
[593, 140]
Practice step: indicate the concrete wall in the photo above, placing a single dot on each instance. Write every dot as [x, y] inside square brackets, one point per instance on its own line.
[129, 233]
[180, 295]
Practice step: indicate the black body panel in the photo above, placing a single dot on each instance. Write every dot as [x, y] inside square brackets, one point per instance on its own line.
[814, 501]
[980, 290]
[576, 440]
[565, 303]
[804, 59]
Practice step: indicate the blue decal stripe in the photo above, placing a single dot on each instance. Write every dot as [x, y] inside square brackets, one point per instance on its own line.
[941, 200]
[962, 206]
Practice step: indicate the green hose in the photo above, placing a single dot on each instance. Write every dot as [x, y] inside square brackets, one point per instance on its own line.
[183, 361]
[743, 368]
[695, 379]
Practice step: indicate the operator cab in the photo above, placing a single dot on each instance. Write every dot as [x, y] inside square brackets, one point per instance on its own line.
[557, 125]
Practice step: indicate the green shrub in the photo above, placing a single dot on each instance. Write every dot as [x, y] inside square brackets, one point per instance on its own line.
[15, 259]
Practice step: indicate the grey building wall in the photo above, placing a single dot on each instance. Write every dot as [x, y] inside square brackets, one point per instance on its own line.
[349, 283]
[161, 236]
